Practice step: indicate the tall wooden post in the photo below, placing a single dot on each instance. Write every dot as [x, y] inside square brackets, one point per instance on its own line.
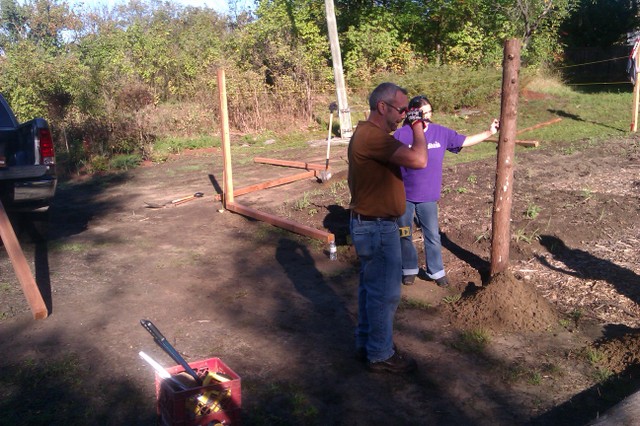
[636, 89]
[346, 129]
[502, 200]
[226, 145]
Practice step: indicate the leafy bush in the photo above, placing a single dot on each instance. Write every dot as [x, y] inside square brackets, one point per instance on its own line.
[450, 87]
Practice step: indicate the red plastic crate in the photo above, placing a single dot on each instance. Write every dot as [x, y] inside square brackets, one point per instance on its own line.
[177, 408]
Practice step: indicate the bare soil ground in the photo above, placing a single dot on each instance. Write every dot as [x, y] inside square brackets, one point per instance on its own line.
[553, 342]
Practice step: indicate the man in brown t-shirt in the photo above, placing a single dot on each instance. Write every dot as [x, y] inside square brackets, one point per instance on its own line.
[377, 200]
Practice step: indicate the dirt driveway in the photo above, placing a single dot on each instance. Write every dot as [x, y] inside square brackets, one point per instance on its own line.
[273, 307]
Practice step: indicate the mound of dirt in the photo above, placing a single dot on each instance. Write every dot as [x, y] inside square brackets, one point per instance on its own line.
[505, 304]
[621, 352]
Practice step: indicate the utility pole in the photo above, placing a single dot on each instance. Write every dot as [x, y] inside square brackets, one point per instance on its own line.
[344, 113]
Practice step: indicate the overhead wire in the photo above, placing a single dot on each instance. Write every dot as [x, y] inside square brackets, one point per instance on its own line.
[595, 62]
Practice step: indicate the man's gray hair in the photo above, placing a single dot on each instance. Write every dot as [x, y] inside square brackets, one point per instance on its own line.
[384, 92]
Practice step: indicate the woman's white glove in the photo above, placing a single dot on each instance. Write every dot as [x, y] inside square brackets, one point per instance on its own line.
[495, 126]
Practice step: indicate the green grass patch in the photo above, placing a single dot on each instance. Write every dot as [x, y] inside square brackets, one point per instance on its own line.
[192, 168]
[452, 298]
[411, 303]
[173, 145]
[69, 247]
[583, 121]
[532, 211]
[601, 375]
[522, 235]
[281, 404]
[532, 376]
[269, 142]
[125, 161]
[472, 341]
[594, 356]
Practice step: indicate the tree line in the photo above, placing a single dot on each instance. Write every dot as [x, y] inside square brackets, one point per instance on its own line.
[112, 79]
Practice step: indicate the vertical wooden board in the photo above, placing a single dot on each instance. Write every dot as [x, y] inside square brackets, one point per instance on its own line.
[636, 89]
[227, 173]
[21, 267]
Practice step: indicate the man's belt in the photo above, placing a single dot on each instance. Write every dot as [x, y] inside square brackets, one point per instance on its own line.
[372, 218]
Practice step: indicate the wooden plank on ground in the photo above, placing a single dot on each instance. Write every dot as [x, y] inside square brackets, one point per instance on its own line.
[528, 144]
[271, 183]
[288, 163]
[526, 129]
[289, 225]
[21, 267]
[537, 126]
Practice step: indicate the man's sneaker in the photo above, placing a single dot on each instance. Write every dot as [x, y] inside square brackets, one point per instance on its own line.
[442, 282]
[397, 364]
[408, 279]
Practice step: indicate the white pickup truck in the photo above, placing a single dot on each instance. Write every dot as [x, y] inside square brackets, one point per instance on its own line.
[27, 162]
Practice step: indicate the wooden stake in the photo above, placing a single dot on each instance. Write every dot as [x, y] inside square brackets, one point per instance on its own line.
[227, 189]
[506, 148]
[21, 267]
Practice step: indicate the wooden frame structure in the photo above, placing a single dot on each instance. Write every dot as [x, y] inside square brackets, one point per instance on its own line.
[21, 267]
[228, 192]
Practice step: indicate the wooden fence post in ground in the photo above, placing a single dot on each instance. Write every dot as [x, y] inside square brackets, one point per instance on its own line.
[502, 200]
[636, 88]
[226, 144]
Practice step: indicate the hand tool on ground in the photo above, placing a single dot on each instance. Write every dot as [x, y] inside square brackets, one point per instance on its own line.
[166, 346]
[189, 198]
[175, 202]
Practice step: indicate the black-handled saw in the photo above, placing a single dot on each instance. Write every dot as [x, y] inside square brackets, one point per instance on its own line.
[166, 346]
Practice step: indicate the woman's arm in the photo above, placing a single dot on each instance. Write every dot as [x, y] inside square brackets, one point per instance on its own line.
[480, 137]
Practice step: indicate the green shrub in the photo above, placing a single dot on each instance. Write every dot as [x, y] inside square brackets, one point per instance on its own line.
[125, 161]
[463, 88]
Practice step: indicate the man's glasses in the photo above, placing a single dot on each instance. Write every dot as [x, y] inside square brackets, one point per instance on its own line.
[401, 111]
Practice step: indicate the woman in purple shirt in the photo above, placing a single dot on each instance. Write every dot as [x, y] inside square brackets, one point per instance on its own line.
[423, 186]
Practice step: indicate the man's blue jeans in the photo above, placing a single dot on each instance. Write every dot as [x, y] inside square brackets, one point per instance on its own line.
[377, 243]
[427, 214]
